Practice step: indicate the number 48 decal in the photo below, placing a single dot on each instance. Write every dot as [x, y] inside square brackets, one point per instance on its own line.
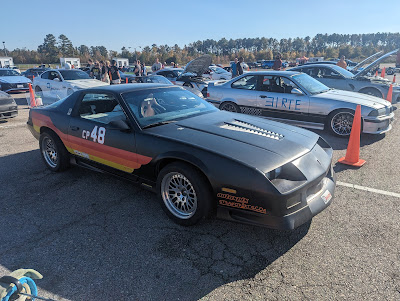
[97, 134]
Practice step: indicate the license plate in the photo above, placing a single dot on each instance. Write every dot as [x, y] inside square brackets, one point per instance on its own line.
[326, 197]
[20, 86]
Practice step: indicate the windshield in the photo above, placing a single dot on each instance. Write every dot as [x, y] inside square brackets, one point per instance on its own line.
[154, 106]
[311, 85]
[342, 71]
[74, 74]
[9, 72]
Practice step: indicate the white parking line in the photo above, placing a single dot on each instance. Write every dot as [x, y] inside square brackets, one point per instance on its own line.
[397, 195]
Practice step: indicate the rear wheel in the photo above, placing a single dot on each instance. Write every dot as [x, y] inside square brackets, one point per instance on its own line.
[53, 152]
[230, 107]
[184, 193]
[340, 122]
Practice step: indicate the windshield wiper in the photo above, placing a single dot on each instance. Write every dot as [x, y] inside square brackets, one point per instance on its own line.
[158, 123]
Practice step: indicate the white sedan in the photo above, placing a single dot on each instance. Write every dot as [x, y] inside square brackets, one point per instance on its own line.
[60, 83]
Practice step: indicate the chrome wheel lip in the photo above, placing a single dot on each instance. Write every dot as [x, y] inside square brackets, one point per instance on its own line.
[228, 107]
[342, 123]
[49, 152]
[179, 195]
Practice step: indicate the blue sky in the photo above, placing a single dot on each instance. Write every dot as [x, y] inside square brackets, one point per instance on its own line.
[114, 24]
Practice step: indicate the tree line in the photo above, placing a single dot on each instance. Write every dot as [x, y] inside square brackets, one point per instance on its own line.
[353, 46]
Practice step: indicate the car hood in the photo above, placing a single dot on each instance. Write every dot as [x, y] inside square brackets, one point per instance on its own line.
[374, 64]
[86, 83]
[353, 97]
[199, 65]
[363, 62]
[15, 79]
[261, 143]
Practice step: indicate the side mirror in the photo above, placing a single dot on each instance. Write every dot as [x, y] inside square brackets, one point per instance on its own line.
[296, 91]
[119, 125]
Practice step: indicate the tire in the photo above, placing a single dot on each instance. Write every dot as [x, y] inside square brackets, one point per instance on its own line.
[340, 122]
[372, 92]
[69, 92]
[390, 72]
[39, 91]
[230, 107]
[184, 193]
[53, 151]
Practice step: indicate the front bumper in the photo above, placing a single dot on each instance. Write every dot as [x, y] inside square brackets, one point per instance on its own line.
[14, 88]
[315, 203]
[8, 114]
[378, 125]
[8, 109]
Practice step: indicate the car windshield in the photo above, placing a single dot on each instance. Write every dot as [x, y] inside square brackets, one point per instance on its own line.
[9, 72]
[310, 84]
[74, 74]
[157, 106]
[342, 71]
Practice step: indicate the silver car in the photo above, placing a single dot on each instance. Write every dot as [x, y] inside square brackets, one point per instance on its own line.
[336, 77]
[298, 99]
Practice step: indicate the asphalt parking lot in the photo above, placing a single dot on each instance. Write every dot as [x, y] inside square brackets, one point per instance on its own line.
[95, 237]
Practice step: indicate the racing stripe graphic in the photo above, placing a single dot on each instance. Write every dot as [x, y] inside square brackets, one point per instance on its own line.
[107, 155]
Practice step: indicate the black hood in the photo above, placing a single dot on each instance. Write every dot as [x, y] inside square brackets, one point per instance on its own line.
[199, 65]
[261, 143]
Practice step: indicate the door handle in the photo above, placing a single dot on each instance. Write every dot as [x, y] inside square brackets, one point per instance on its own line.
[263, 96]
[74, 128]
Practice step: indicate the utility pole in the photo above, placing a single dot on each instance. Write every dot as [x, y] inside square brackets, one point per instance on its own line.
[4, 45]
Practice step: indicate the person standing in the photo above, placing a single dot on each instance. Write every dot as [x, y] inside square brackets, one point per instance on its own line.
[104, 72]
[144, 71]
[342, 63]
[278, 62]
[114, 73]
[138, 69]
[240, 66]
[156, 66]
[89, 64]
[234, 67]
[95, 72]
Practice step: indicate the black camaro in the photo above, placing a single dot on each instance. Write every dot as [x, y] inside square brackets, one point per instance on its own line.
[197, 158]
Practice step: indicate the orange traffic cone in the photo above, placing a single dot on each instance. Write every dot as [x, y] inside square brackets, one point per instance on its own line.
[394, 78]
[390, 93]
[376, 73]
[32, 95]
[353, 149]
[383, 72]
[126, 80]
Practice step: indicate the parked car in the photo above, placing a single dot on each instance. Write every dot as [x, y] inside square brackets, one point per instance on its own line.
[59, 83]
[8, 106]
[267, 64]
[217, 73]
[11, 81]
[195, 157]
[299, 99]
[254, 65]
[34, 72]
[336, 77]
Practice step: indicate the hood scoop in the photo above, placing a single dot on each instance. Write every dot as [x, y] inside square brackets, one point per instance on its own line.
[241, 126]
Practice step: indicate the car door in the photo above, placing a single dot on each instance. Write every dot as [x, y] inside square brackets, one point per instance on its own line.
[332, 78]
[275, 98]
[56, 85]
[243, 91]
[96, 134]
[43, 82]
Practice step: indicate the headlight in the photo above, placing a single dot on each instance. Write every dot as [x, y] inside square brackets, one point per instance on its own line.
[379, 112]
[286, 178]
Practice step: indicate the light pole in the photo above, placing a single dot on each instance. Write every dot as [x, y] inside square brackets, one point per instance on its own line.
[4, 45]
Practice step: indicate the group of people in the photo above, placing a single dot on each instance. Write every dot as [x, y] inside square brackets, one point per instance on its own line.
[110, 73]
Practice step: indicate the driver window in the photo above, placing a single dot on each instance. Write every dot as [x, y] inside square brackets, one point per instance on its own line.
[329, 73]
[280, 84]
[100, 107]
[247, 83]
[53, 75]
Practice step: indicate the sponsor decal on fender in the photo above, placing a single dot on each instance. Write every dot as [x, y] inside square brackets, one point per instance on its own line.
[238, 202]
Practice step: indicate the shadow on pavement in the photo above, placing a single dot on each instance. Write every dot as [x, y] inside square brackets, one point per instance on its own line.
[95, 237]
